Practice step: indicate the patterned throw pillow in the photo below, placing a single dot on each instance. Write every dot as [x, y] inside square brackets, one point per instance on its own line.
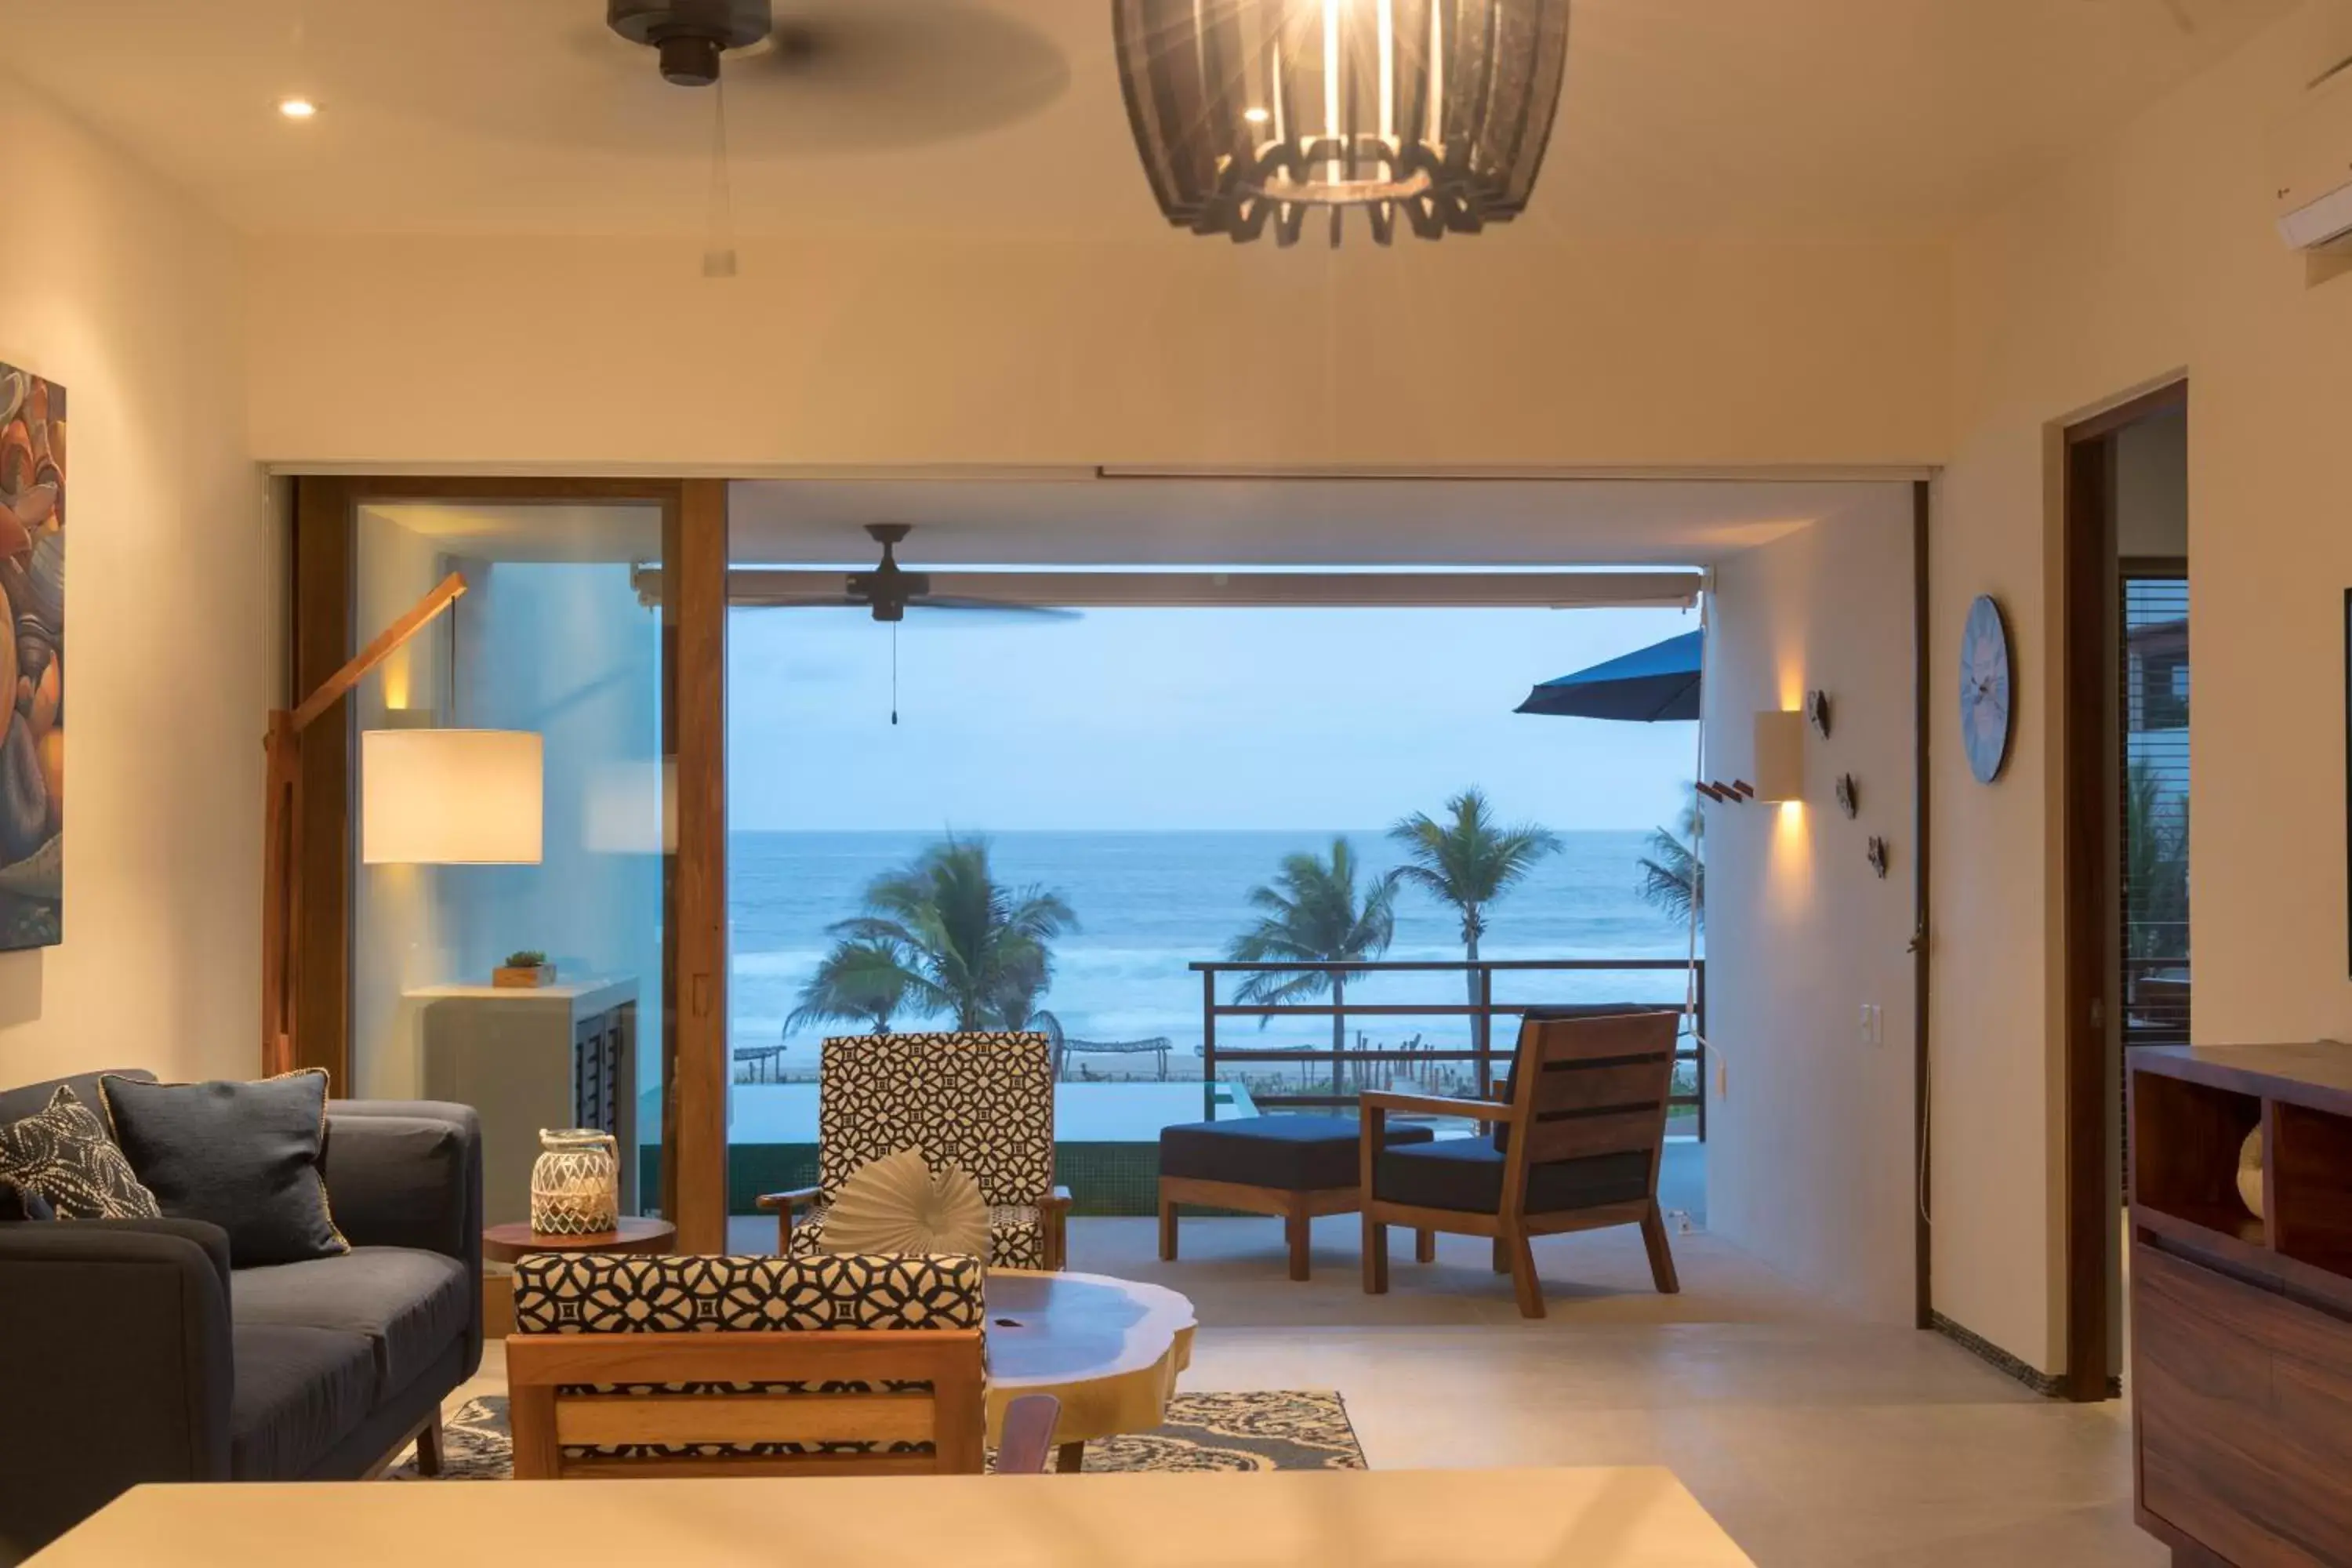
[63, 1156]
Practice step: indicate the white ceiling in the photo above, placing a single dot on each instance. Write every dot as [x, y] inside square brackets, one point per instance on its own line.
[1761, 117]
[1080, 519]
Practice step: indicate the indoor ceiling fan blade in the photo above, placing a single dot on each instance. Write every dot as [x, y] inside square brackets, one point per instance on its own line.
[754, 599]
[953, 604]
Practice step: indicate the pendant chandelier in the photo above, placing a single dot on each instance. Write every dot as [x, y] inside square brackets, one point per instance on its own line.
[1251, 114]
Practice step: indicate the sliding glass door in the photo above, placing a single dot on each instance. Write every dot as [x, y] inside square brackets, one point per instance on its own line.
[518, 844]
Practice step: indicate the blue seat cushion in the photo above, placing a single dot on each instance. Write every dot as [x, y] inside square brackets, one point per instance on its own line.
[406, 1306]
[300, 1391]
[1288, 1153]
[1467, 1174]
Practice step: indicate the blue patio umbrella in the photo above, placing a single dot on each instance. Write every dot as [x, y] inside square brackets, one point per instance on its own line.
[1660, 682]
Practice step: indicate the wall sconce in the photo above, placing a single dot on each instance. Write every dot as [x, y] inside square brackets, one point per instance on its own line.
[1780, 755]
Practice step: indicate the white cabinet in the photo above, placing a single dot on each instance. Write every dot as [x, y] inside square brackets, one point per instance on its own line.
[558, 1056]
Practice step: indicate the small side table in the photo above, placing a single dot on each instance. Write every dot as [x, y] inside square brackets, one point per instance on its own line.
[508, 1242]
[1109, 1350]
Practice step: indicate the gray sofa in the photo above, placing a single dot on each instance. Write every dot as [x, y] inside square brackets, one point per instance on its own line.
[136, 1351]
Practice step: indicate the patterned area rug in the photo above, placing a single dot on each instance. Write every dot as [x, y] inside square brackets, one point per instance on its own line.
[1278, 1430]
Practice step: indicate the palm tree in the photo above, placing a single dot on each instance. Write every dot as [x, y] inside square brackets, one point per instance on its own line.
[2156, 867]
[1673, 876]
[1310, 911]
[1469, 861]
[859, 982]
[962, 944]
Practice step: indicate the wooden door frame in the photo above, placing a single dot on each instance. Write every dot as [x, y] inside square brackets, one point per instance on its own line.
[2089, 731]
[1923, 1236]
[692, 1036]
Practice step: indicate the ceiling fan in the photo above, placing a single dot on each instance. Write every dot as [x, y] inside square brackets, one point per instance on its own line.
[889, 591]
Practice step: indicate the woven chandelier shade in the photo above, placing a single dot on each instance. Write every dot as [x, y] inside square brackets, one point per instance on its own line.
[1251, 114]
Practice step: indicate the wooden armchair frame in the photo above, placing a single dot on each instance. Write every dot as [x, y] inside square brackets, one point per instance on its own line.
[546, 1417]
[1611, 1074]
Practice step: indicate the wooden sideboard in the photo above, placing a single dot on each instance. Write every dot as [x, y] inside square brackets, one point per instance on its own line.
[2242, 1325]
[556, 1056]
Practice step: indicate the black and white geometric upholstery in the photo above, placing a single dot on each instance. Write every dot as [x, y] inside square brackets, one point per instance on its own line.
[591, 1293]
[979, 1099]
[588, 1293]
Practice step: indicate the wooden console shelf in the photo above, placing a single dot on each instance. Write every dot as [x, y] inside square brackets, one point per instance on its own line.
[2241, 1326]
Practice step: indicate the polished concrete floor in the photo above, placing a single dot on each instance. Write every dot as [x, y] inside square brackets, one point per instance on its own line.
[1815, 1440]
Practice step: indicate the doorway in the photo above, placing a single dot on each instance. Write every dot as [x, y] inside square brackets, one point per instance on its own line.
[2125, 742]
[597, 937]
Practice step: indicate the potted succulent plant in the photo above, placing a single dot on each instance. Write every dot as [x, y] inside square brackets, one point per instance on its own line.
[523, 970]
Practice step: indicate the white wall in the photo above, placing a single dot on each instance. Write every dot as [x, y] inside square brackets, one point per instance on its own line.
[2147, 252]
[2152, 487]
[597, 354]
[565, 650]
[1810, 1153]
[121, 290]
[560, 648]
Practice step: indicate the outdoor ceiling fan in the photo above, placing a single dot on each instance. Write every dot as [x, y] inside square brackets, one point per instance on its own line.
[887, 592]
[889, 589]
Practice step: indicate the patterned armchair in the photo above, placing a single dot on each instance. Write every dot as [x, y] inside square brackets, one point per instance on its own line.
[981, 1100]
[710, 1366]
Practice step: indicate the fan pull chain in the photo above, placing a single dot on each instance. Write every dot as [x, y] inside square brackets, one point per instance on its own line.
[719, 250]
[894, 672]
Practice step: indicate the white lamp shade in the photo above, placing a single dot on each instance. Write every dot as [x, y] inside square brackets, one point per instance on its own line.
[450, 797]
[1780, 756]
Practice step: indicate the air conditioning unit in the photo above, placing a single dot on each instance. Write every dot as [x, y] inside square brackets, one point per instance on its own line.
[2312, 158]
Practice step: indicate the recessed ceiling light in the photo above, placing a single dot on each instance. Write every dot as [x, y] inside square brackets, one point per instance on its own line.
[297, 108]
[1255, 116]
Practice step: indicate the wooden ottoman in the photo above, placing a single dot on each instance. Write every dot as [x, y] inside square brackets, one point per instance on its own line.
[1294, 1167]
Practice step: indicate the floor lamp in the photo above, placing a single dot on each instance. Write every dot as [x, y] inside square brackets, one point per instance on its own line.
[281, 844]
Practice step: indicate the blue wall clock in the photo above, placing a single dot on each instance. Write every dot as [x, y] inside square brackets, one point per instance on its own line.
[1985, 708]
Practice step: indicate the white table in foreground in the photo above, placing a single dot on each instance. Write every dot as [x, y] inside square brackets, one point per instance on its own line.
[1629, 1518]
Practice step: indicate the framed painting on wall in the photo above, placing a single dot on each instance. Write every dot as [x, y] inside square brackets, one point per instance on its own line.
[32, 659]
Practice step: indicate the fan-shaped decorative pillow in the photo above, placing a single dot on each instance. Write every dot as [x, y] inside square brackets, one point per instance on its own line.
[897, 1205]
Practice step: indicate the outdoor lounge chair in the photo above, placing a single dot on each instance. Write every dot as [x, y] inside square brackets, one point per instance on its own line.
[984, 1101]
[1577, 1140]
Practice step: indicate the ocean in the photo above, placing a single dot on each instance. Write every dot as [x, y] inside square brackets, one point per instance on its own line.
[1149, 903]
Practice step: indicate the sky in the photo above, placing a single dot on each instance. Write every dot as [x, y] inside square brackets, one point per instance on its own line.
[1184, 719]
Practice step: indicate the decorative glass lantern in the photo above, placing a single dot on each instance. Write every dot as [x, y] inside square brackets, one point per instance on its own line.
[1248, 113]
[575, 1183]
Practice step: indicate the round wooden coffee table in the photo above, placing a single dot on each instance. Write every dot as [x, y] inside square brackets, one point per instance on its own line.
[1110, 1350]
[509, 1243]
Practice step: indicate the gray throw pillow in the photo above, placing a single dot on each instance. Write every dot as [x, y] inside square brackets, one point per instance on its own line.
[61, 1158]
[17, 1203]
[243, 1156]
